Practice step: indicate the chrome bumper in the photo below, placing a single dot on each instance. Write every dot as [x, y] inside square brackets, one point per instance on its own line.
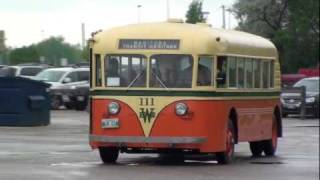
[142, 139]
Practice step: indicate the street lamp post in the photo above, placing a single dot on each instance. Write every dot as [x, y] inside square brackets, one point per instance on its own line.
[139, 7]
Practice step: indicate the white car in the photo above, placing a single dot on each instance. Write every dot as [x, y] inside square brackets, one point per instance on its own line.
[63, 81]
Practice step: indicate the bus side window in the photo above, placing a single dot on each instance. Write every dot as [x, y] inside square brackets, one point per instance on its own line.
[248, 73]
[265, 74]
[232, 68]
[240, 70]
[257, 73]
[98, 70]
[272, 74]
[204, 71]
[221, 78]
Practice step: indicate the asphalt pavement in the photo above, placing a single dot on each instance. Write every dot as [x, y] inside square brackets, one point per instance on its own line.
[61, 151]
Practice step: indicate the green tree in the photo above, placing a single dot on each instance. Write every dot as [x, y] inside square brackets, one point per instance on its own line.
[54, 49]
[293, 26]
[85, 53]
[24, 55]
[194, 13]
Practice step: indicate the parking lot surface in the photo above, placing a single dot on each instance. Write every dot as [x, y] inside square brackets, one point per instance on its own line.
[61, 151]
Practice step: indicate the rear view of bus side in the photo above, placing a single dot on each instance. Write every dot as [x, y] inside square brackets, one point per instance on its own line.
[176, 88]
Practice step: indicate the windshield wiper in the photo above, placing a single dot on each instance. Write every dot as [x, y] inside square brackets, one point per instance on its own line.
[161, 83]
[135, 79]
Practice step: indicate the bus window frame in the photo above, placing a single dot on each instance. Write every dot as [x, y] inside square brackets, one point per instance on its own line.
[260, 59]
[122, 54]
[213, 70]
[193, 86]
[95, 80]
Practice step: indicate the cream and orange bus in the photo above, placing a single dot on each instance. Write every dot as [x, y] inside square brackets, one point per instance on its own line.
[183, 88]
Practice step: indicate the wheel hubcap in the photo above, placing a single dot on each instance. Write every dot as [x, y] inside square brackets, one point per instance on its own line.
[274, 135]
[229, 143]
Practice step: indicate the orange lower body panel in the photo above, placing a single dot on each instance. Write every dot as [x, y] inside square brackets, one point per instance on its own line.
[203, 128]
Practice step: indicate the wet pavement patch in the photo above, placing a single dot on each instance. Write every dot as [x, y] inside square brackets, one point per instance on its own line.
[264, 162]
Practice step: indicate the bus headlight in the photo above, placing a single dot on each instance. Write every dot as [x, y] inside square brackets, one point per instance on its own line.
[113, 108]
[181, 109]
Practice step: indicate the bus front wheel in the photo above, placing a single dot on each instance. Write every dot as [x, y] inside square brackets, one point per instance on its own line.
[227, 156]
[109, 154]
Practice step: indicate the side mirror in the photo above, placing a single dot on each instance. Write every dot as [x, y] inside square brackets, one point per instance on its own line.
[67, 80]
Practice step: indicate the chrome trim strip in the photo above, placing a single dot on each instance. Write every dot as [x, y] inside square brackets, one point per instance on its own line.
[142, 139]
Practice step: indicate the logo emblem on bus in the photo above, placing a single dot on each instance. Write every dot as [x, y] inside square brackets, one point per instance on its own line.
[147, 114]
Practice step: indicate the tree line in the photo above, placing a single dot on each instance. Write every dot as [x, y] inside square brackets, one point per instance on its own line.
[49, 51]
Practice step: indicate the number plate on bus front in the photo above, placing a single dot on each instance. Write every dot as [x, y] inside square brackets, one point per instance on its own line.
[109, 123]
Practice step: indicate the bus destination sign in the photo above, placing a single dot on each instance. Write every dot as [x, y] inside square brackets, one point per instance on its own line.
[149, 44]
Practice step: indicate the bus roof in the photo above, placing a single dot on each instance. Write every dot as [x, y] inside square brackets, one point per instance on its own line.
[194, 38]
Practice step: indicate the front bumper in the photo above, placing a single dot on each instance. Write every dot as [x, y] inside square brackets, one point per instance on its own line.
[309, 109]
[142, 139]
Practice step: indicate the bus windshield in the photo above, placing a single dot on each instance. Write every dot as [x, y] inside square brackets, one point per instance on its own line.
[171, 71]
[125, 71]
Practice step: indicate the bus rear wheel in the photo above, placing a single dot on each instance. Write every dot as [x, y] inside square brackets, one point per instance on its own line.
[256, 148]
[227, 156]
[109, 154]
[270, 146]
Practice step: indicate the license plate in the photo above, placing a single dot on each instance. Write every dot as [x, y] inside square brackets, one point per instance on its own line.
[80, 98]
[65, 98]
[109, 123]
[291, 106]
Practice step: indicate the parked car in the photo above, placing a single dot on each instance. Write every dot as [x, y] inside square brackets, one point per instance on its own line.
[7, 71]
[28, 71]
[64, 81]
[292, 102]
[77, 97]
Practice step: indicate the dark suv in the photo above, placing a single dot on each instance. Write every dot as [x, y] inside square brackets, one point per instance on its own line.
[292, 103]
[65, 83]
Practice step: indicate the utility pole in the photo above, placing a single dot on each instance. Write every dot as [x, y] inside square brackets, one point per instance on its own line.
[83, 32]
[139, 6]
[229, 17]
[168, 9]
[223, 17]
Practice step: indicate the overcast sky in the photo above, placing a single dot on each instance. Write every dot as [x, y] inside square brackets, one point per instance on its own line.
[29, 21]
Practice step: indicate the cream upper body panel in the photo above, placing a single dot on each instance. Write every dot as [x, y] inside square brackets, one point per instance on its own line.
[194, 39]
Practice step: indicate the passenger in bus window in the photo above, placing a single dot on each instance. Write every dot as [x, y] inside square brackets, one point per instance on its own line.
[167, 72]
[204, 76]
[221, 72]
[113, 76]
[185, 77]
[204, 71]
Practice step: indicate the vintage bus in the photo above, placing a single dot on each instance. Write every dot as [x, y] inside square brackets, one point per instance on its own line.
[172, 87]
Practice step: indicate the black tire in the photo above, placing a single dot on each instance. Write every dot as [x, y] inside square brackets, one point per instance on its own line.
[81, 106]
[270, 145]
[109, 155]
[68, 105]
[316, 113]
[227, 156]
[256, 148]
[284, 115]
[56, 102]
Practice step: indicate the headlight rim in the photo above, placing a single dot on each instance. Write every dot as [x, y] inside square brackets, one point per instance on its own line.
[114, 112]
[179, 105]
